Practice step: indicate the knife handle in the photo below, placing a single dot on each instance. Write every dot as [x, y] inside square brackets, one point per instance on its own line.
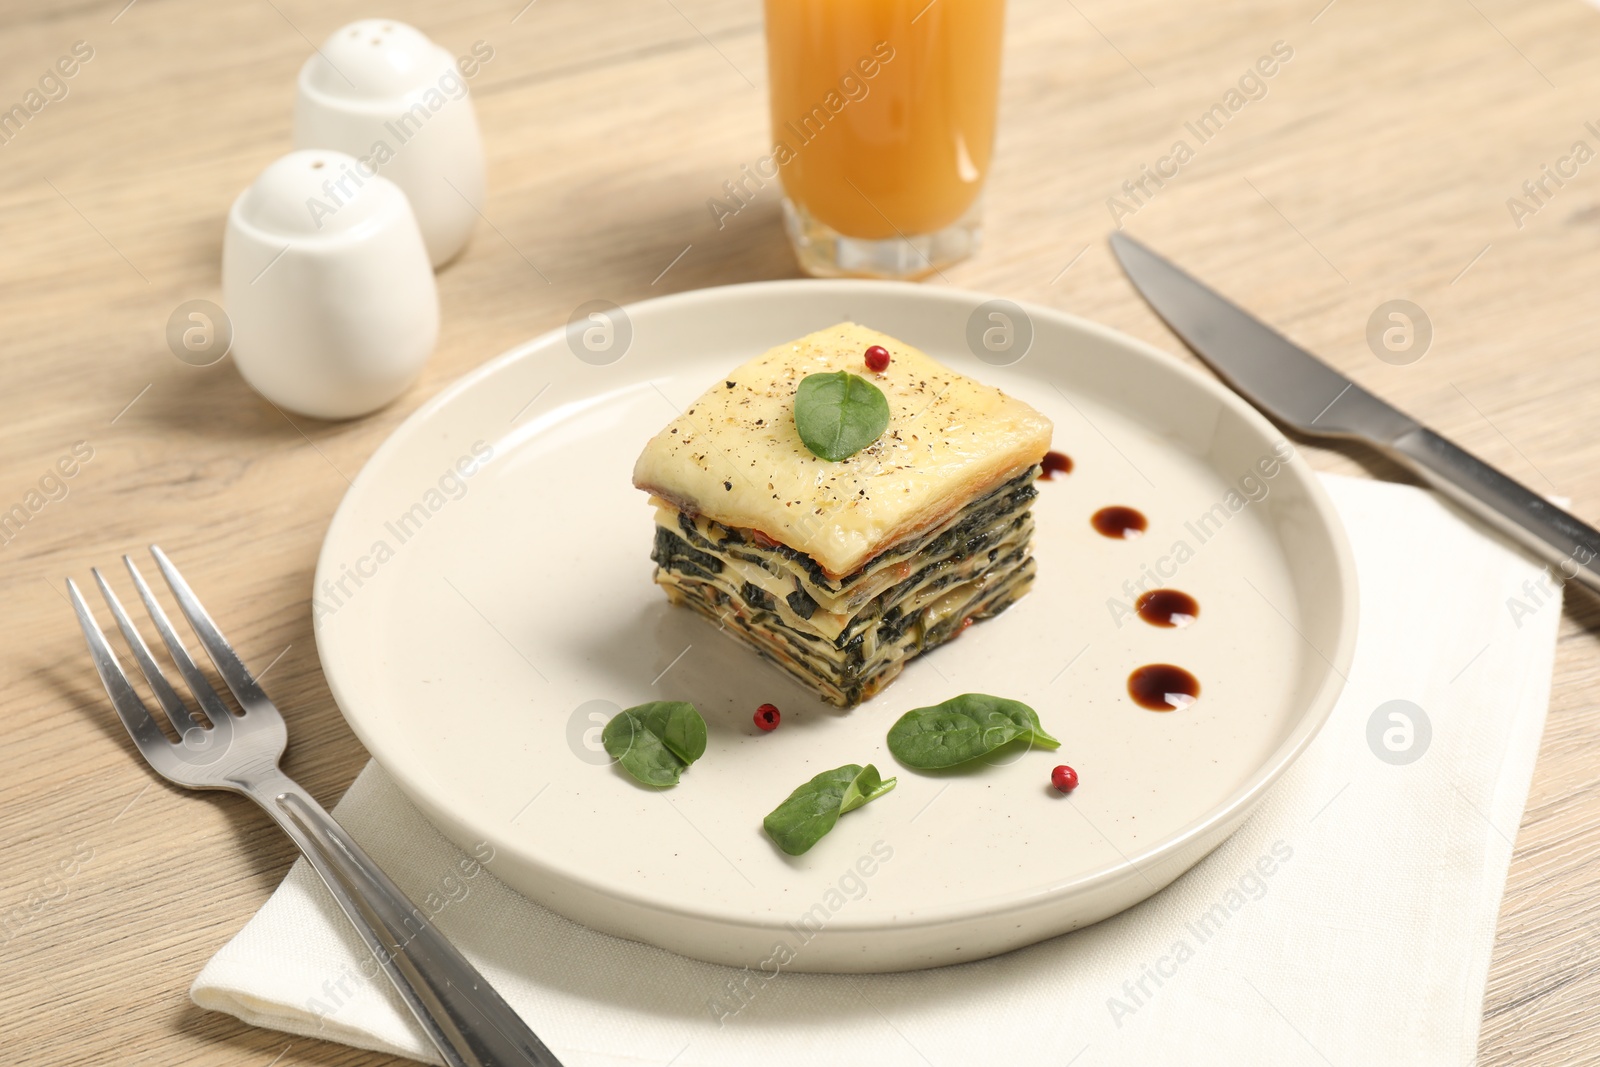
[1571, 546]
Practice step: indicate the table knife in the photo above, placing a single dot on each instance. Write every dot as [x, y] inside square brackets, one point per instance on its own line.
[1307, 396]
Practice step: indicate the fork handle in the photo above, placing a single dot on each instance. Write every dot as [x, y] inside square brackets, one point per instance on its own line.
[463, 1016]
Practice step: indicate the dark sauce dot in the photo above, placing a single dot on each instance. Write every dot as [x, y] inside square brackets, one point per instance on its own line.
[1163, 687]
[1167, 607]
[1054, 463]
[1119, 521]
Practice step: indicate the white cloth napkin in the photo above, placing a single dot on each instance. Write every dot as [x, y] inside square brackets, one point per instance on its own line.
[1349, 921]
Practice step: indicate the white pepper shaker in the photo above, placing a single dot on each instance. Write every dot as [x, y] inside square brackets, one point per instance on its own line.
[331, 296]
[381, 91]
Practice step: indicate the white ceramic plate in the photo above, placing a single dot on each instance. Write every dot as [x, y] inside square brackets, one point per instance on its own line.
[477, 629]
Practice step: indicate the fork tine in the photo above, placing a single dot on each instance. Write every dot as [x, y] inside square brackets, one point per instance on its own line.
[130, 709]
[210, 702]
[182, 720]
[233, 671]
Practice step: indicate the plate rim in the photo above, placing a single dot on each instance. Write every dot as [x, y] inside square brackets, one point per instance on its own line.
[418, 789]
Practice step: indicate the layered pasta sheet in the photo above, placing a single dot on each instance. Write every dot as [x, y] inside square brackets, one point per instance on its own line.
[848, 637]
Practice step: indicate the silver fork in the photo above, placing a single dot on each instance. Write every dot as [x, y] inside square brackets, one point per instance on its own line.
[462, 1014]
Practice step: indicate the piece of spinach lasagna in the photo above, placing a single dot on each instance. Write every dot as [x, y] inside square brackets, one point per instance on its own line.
[841, 572]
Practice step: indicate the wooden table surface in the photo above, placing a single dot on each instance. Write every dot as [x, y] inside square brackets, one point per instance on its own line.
[1378, 165]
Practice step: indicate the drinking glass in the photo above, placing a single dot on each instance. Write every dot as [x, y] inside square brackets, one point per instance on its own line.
[883, 117]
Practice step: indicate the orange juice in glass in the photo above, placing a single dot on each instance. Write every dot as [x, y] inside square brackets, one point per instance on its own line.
[883, 116]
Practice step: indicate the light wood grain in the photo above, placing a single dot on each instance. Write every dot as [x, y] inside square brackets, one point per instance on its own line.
[1377, 166]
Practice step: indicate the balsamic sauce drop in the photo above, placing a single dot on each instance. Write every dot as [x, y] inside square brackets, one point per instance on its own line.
[1054, 463]
[1163, 687]
[1118, 521]
[1167, 607]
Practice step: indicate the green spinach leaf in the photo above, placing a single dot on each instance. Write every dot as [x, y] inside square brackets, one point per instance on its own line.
[810, 812]
[656, 742]
[839, 414]
[963, 728]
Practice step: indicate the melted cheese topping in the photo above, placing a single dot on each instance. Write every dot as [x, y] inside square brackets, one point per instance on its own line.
[735, 456]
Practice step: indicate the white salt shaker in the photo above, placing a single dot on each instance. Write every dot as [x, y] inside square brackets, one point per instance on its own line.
[381, 91]
[334, 311]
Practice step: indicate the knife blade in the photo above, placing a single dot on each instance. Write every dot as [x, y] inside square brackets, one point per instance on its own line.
[1306, 395]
